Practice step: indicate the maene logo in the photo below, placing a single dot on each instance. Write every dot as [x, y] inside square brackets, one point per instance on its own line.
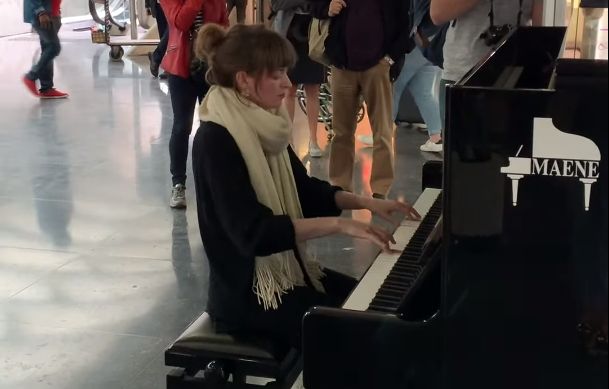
[556, 154]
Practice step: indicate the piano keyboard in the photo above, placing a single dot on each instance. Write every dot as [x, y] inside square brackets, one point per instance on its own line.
[388, 279]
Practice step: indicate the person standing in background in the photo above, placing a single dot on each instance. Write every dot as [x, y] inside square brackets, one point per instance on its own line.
[292, 21]
[186, 78]
[45, 18]
[240, 5]
[419, 75]
[156, 57]
[470, 20]
[366, 45]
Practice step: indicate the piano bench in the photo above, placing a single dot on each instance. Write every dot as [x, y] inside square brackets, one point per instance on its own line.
[204, 359]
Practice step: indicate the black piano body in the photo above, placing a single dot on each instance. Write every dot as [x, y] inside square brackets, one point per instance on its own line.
[518, 298]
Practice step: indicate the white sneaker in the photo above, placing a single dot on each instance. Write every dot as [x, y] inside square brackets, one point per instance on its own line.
[178, 197]
[431, 147]
[368, 140]
[315, 151]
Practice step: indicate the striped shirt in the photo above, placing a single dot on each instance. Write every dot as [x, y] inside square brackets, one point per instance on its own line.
[198, 22]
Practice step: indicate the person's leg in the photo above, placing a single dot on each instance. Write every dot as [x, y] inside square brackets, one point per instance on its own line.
[230, 4]
[422, 88]
[241, 6]
[345, 104]
[183, 96]
[377, 92]
[414, 61]
[161, 22]
[50, 47]
[284, 325]
[312, 93]
[290, 101]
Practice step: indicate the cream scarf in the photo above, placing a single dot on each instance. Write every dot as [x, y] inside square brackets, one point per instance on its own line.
[262, 137]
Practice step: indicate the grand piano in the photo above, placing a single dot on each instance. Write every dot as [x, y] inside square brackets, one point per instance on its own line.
[503, 284]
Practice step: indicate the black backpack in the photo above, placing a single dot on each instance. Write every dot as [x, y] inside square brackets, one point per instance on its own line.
[431, 38]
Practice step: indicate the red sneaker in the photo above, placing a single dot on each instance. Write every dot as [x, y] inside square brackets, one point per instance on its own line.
[30, 85]
[53, 94]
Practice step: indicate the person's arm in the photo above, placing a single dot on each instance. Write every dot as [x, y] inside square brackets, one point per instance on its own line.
[307, 229]
[403, 43]
[251, 226]
[442, 11]
[181, 13]
[537, 13]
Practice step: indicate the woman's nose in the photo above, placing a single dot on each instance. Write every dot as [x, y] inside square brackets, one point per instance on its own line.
[286, 82]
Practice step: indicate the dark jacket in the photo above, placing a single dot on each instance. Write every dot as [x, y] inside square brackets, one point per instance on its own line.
[396, 23]
[236, 228]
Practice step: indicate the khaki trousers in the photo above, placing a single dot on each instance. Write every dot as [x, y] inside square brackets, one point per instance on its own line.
[347, 86]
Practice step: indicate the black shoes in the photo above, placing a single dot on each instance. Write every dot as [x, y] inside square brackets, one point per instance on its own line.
[154, 67]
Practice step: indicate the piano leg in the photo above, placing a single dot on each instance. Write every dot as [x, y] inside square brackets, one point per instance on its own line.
[587, 190]
[515, 181]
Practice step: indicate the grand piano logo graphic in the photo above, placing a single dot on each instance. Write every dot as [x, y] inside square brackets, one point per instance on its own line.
[556, 154]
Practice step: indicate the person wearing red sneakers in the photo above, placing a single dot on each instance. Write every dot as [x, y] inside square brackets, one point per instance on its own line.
[45, 18]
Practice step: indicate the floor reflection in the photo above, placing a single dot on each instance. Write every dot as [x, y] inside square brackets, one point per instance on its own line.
[50, 168]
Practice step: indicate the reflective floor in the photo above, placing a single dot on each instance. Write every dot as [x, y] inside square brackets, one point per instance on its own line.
[97, 274]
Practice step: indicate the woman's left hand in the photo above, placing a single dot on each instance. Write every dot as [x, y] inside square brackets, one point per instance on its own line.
[386, 208]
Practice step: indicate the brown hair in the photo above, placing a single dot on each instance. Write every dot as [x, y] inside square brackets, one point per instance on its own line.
[255, 50]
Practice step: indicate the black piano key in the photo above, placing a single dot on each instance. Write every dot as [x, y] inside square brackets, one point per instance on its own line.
[407, 269]
[386, 301]
[390, 292]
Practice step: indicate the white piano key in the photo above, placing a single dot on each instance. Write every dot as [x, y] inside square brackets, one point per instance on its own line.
[423, 204]
[366, 289]
[362, 296]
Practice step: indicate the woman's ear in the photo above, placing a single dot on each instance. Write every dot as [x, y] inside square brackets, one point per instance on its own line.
[241, 81]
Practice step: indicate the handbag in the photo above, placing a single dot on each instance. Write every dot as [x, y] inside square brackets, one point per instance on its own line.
[198, 67]
[198, 70]
[318, 32]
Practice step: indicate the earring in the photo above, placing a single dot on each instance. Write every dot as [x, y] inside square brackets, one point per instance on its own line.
[246, 93]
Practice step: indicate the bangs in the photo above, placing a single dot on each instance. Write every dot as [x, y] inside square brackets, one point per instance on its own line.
[273, 52]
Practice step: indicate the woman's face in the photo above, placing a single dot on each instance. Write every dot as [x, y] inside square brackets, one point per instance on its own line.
[269, 90]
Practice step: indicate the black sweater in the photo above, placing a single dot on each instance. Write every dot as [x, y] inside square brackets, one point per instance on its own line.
[396, 25]
[235, 227]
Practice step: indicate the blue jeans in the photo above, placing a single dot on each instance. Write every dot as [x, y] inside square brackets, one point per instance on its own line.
[49, 49]
[419, 76]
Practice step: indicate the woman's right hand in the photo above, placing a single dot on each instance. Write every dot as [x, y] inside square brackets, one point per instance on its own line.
[375, 234]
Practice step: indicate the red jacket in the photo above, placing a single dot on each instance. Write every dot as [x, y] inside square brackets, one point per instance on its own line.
[181, 15]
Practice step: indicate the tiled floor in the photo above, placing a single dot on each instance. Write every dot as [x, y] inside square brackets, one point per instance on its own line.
[97, 274]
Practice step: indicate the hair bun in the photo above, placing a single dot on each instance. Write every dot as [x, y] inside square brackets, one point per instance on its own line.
[209, 38]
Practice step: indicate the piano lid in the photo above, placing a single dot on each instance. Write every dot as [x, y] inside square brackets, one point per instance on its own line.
[531, 53]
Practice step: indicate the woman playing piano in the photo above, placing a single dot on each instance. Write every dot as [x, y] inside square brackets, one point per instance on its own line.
[257, 207]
